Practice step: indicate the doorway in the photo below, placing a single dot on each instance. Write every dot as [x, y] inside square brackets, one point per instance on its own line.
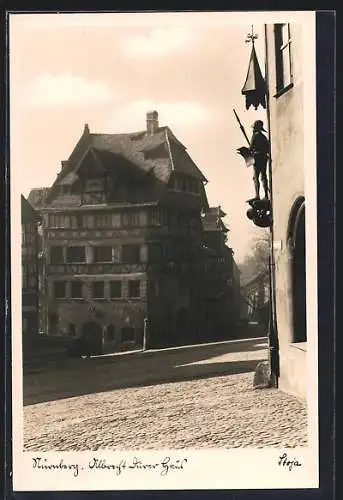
[298, 271]
[92, 337]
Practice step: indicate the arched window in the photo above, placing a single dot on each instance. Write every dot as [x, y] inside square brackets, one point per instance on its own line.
[297, 246]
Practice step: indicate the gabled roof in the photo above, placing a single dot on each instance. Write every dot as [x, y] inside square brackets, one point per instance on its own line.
[182, 162]
[132, 147]
[68, 179]
[212, 220]
[217, 211]
[28, 213]
[107, 160]
[37, 196]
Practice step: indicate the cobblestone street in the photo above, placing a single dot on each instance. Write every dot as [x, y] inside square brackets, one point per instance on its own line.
[216, 411]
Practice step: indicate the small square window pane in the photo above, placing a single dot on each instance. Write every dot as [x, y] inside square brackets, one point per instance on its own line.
[286, 66]
[285, 33]
[115, 289]
[134, 288]
[98, 289]
[102, 254]
[76, 290]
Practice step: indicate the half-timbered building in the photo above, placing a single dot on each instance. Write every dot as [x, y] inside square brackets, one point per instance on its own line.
[220, 281]
[123, 234]
[30, 270]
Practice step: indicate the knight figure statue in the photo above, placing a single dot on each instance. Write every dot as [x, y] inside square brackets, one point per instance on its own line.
[260, 150]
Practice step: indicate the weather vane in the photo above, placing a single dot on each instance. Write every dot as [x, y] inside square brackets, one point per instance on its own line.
[251, 37]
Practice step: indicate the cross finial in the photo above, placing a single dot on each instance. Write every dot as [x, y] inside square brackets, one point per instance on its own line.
[251, 37]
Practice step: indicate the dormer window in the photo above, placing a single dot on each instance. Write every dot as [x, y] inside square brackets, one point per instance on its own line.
[93, 191]
[184, 183]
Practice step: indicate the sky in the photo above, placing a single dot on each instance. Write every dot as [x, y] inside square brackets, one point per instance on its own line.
[108, 70]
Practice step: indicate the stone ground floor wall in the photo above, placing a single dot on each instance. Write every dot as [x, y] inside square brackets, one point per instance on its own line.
[172, 304]
[112, 320]
[170, 312]
[29, 321]
[293, 370]
[29, 329]
[292, 355]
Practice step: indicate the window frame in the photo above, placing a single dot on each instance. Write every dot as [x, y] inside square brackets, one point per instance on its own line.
[280, 47]
[129, 291]
[68, 261]
[116, 220]
[58, 221]
[97, 283]
[96, 249]
[102, 220]
[121, 289]
[135, 219]
[60, 282]
[73, 296]
[88, 221]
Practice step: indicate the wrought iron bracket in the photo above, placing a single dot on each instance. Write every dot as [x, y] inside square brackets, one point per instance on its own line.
[260, 212]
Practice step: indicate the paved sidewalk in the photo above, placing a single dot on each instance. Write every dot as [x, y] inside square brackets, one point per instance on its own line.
[222, 410]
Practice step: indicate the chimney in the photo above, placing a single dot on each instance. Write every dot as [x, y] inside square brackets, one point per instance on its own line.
[64, 164]
[151, 122]
[86, 129]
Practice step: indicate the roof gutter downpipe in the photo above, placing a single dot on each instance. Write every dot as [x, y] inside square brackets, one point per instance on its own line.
[273, 340]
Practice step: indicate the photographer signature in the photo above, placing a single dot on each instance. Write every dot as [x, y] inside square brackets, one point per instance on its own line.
[284, 461]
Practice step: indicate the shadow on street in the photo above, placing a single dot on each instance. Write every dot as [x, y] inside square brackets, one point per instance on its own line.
[187, 354]
[86, 376]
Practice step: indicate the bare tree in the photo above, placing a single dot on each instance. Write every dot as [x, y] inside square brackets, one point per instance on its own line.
[257, 262]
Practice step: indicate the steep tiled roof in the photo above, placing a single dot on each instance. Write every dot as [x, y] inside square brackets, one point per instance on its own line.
[37, 196]
[217, 211]
[28, 213]
[153, 156]
[133, 147]
[211, 220]
[183, 163]
[68, 179]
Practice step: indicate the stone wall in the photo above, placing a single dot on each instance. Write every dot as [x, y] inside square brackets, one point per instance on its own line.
[172, 295]
[287, 148]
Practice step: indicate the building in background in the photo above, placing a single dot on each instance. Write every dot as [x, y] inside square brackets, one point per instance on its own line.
[37, 197]
[284, 53]
[219, 287]
[30, 221]
[256, 300]
[123, 242]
